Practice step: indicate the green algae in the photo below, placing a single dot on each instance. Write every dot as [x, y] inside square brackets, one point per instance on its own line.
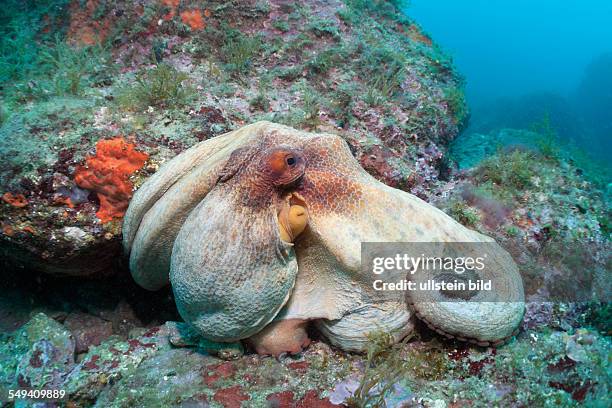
[162, 86]
[239, 51]
[4, 114]
[515, 172]
[463, 213]
[32, 137]
[469, 150]
[532, 370]
[382, 369]
[70, 69]
[20, 22]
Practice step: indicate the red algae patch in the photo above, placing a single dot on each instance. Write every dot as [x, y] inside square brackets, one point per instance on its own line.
[299, 366]
[85, 28]
[311, 400]
[16, 200]
[219, 371]
[193, 18]
[231, 397]
[282, 399]
[417, 35]
[8, 230]
[107, 174]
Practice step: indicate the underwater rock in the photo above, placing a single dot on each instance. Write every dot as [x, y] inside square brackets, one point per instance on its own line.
[160, 380]
[148, 371]
[344, 390]
[113, 359]
[184, 225]
[144, 370]
[77, 235]
[533, 201]
[37, 355]
[469, 149]
[575, 345]
[537, 314]
[87, 330]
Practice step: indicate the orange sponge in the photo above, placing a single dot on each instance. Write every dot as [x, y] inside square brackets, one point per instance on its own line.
[193, 18]
[16, 200]
[107, 173]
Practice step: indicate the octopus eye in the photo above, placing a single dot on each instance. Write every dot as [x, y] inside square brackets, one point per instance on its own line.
[290, 161]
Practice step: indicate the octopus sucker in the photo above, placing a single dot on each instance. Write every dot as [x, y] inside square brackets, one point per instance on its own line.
[259, 232]
[460, 337]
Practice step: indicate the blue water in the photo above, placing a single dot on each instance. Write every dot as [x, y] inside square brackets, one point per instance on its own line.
[526, 61]
[513, 47]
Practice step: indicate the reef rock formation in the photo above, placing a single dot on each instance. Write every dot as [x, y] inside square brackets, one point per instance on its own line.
[202, 224]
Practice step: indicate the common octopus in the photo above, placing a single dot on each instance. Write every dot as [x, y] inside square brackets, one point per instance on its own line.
[259, 232]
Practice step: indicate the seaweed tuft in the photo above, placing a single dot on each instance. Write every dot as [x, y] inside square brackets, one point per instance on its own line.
[160, 86]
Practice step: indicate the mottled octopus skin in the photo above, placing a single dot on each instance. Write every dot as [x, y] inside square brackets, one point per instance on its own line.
[346, 206]
[230, 270]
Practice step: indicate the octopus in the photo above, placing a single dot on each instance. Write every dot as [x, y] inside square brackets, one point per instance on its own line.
[259, 232]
